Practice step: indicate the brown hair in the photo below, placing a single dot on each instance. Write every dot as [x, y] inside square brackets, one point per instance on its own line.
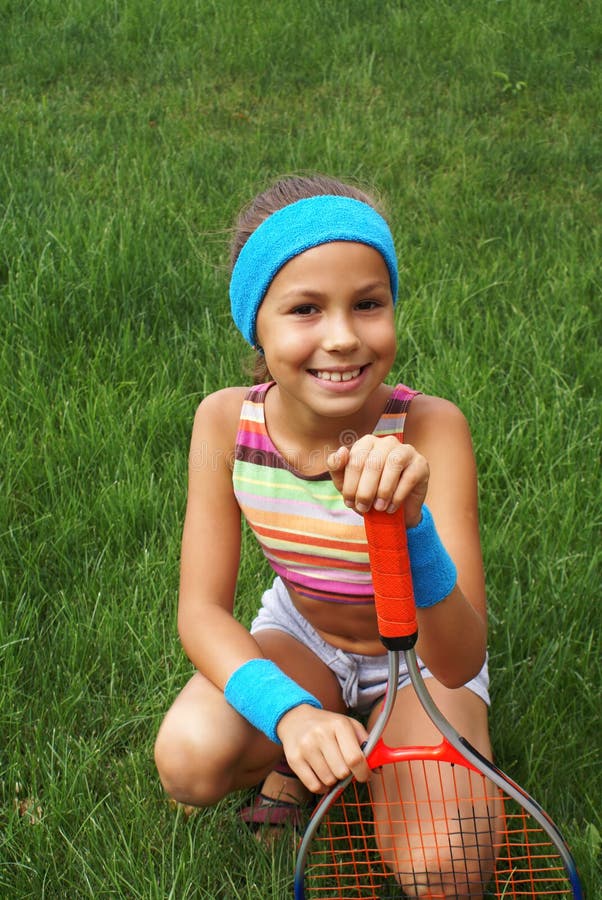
[282, 193]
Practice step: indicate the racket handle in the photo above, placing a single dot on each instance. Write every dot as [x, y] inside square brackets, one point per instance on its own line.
[391, 579]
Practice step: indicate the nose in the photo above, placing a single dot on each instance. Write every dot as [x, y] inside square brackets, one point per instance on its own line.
[339, 334]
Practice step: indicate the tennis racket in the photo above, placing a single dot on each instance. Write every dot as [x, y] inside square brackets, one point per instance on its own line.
[433, 822]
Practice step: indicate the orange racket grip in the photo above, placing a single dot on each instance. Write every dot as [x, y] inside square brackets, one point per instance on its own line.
[391, 579]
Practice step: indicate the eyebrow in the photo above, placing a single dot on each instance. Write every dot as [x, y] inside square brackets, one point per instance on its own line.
[311, 294]
[306, 293]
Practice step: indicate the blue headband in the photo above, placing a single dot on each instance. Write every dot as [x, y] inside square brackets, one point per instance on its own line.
[292, 230]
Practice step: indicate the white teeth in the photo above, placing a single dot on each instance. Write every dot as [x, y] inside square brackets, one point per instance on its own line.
[338, 376]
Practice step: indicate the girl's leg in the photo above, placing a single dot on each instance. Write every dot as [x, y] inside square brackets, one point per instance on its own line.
[205, 749]
[445, 848]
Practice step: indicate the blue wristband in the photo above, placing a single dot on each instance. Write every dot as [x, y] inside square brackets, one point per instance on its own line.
[433, 571]
[262, 694]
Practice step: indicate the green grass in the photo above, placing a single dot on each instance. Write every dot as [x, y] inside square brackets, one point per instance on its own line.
[131, 133]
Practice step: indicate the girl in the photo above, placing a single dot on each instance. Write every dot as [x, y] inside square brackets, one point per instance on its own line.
[303, 455]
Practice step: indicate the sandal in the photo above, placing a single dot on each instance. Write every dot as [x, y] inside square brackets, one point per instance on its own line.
[272, 812]
[276, 811]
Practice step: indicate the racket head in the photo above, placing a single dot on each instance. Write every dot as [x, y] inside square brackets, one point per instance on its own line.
[430, 825]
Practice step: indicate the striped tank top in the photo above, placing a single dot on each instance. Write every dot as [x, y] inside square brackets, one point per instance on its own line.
[310, 538]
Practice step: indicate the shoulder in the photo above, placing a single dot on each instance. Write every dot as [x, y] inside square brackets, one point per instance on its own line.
[426, 409]
[436, 422]
[223, 404]
[217, 419]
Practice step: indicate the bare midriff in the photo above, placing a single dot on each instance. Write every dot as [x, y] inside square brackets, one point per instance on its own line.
[349, 626]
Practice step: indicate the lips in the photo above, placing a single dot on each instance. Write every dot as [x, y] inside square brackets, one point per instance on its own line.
[329, 375]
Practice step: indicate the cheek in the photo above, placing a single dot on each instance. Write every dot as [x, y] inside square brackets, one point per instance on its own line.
[288, 345]
[385, 339]
[393, 345]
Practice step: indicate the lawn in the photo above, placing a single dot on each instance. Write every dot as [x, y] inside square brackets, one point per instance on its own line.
[131, 133]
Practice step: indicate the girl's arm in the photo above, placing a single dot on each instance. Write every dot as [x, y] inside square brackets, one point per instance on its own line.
[435, 465]
[453, 633]
[212, 638]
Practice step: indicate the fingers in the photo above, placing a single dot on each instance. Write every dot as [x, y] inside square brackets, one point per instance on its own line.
[325, 749]
[345, 757]
[336, 463]
[328, 767]
[380, 472]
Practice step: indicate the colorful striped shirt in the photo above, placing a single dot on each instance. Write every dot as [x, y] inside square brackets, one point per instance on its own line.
[310, 538]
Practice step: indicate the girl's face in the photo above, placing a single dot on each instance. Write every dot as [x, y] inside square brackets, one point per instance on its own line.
[326, 327]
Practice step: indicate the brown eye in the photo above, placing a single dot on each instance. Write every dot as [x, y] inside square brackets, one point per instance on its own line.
[368, 304]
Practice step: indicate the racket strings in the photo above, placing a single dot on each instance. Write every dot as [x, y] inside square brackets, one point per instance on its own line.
[446, 842]
[465, 841]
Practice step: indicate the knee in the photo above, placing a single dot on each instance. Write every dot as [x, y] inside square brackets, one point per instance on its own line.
[188, 769]
[445, 879]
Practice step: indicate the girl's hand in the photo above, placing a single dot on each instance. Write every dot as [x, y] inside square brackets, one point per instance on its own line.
[381, 472]
[323, 747]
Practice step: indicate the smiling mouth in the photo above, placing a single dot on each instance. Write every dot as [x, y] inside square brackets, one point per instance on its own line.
[325, 375]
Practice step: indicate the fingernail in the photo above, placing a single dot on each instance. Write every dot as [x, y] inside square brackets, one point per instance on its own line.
[362, 507]
[380, 504]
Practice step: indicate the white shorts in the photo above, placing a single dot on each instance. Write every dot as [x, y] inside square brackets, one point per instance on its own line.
[363, 679]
